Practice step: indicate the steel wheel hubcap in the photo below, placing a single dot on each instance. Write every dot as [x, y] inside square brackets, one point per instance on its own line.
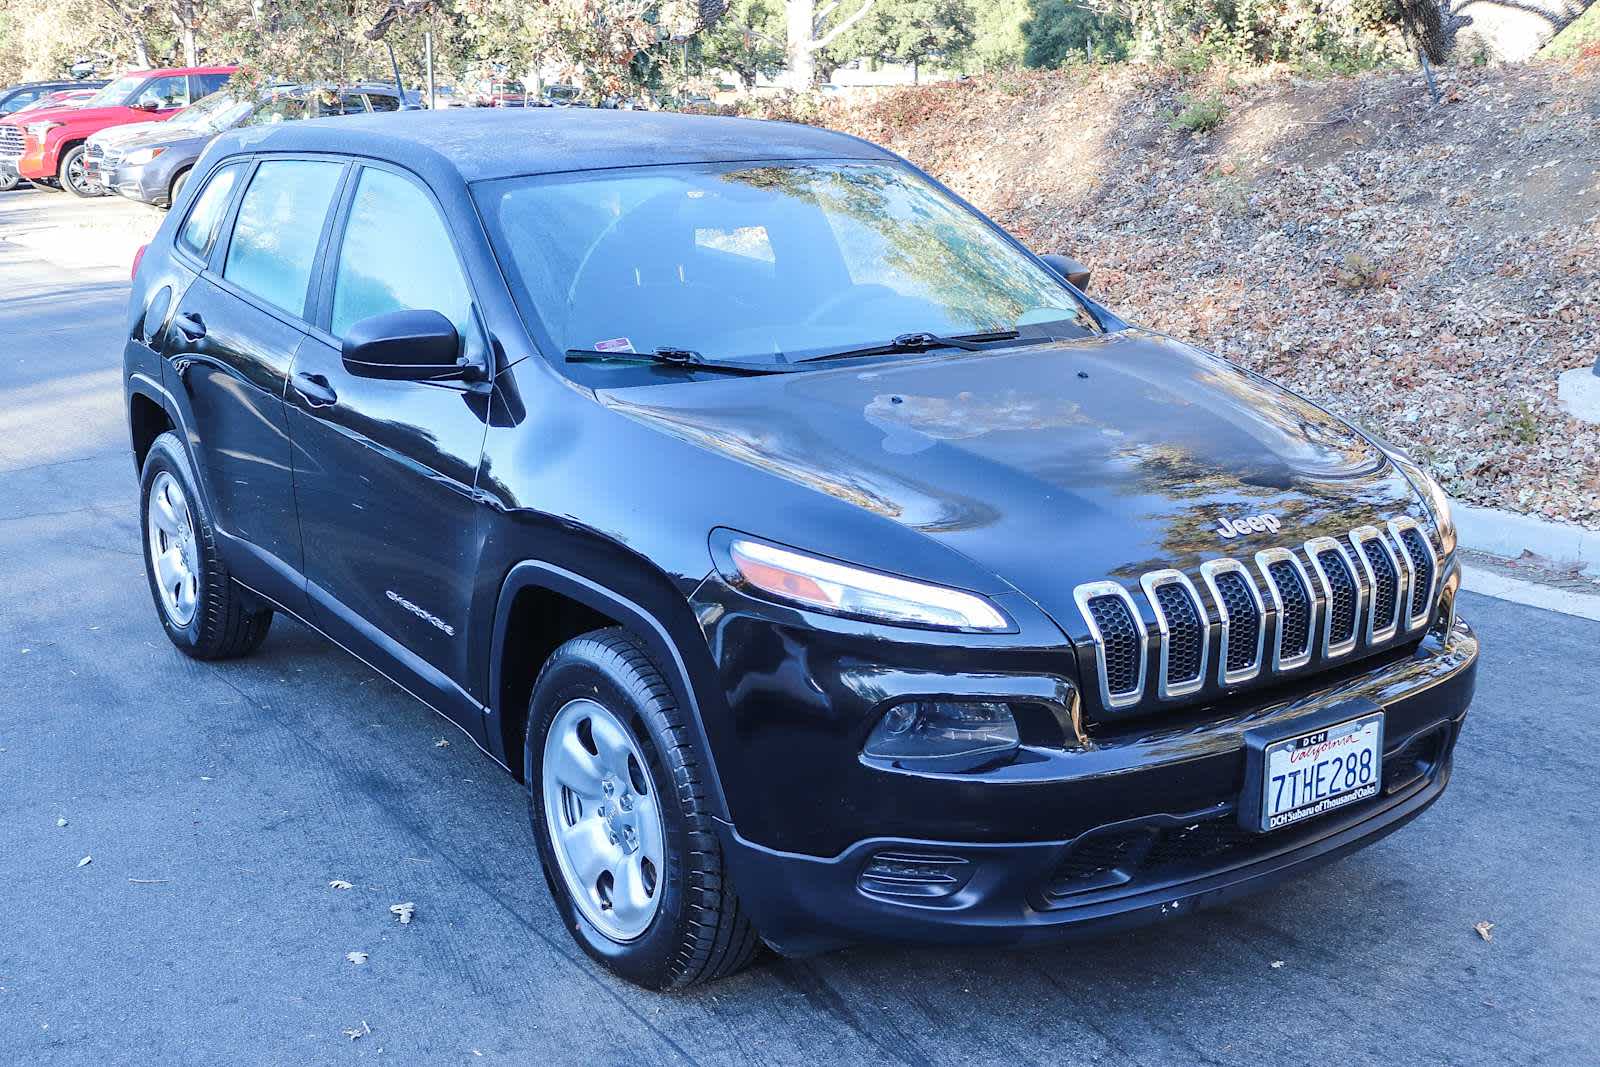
[173, 558]
[603, 819]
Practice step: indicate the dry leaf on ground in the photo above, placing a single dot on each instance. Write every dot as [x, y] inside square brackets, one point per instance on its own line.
[85, 861]
[1485, 930]
[403, 912]
[340, 883]
[356, 957]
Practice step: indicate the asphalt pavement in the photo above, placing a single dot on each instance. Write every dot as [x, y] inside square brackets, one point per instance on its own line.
[169, 830]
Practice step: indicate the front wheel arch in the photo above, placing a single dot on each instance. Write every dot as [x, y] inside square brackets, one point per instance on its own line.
[607, 608]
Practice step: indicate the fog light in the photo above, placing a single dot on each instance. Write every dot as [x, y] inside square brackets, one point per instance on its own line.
[944, 735]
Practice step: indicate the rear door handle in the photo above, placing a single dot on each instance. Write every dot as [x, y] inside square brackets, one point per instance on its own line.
[315, 388]
[193, 327]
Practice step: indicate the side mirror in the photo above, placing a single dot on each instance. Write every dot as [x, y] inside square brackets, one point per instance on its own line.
[146, 105]
[1070, 269]
[406, 346]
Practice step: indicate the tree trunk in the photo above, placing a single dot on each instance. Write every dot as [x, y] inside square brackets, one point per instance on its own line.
[799, 22]
[133, 32]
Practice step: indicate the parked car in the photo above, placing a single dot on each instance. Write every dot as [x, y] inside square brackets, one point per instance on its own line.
[152, 165]
[828, 564]
[49, 149]
[16, 97]
[26, 98]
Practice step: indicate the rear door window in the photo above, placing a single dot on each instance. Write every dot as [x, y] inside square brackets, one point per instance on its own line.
[200, 228]
[383, 102]
[206, 84]
[278, 227]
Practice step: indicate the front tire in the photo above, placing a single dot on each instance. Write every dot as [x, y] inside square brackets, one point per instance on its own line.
[636, 870]
[73, 175]
[177, 189]
[202, 611]
[9, 180]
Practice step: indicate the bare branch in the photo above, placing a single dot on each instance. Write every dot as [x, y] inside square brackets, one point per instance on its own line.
[833, 34]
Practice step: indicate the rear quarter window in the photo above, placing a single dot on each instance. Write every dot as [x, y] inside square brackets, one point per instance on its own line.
[279, 224]
[200, 228]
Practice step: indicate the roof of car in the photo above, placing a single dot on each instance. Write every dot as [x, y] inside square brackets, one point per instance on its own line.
[484, 143]
[161, 72]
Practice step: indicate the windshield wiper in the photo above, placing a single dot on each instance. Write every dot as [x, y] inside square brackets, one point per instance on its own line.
[666, 356]
[922, 342]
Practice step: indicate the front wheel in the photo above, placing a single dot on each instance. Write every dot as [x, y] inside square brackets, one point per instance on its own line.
[74, 174]
[619, 811]
[9, 180]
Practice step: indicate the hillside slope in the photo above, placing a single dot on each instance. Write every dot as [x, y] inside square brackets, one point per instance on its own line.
[1426, 271]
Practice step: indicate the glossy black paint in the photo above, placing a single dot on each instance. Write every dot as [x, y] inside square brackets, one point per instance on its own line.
[419, 523]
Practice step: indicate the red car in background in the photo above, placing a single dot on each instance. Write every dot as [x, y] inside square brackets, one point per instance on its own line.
[47, 146]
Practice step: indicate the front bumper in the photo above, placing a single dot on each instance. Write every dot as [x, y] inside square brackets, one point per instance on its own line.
[1123, 862]
[37, 161]
[139, 183]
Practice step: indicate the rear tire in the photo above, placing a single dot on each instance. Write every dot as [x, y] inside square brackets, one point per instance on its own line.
[695, 930]
[203, 612]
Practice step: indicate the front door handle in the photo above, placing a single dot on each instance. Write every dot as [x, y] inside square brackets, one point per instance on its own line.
[193, 327]
[315, 388]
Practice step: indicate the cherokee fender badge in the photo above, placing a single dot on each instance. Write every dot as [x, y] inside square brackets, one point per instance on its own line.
[1235, 527]
[421, 613]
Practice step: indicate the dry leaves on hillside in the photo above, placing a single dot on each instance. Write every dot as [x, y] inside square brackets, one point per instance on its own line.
[1426, 271]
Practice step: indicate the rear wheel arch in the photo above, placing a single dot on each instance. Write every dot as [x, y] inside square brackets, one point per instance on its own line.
[148, 419]
[540, 607]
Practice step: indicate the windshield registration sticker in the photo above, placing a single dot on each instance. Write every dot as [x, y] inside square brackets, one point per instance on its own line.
[615, 344]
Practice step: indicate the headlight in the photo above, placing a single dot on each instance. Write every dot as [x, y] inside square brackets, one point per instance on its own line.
[142, 156]
[842, 590]
[37, 130]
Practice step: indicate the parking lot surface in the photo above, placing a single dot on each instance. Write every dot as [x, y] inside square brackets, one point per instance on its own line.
[169, 831]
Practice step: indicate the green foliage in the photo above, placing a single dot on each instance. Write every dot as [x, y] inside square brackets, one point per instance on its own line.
[747, 40]
[1065, 31]
[998, 40]
[909, 31]
[1200, 114]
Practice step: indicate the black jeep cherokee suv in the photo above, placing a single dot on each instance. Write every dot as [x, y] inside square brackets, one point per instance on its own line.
[828, 564]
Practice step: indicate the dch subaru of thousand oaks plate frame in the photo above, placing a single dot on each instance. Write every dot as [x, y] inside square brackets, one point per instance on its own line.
[1331, 761]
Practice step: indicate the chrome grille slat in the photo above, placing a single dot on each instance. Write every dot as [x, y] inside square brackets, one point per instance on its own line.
[1111, 649]
[1382, 572]
[1240, 610]
[1421, 569]
[1360, 591]
[1341, 595]
[1184, 633]
[1294, 605]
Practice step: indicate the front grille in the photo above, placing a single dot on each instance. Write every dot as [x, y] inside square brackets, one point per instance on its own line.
[1121, 641]
[11, 141]
[1214, 841]
[1319, 595]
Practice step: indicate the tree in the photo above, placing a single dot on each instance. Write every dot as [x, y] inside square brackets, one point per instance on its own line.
[1064, 30]
[998, 41]
[910, 31]
[747, 40]
[807, 32]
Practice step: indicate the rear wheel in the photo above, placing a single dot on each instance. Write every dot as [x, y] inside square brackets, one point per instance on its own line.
[620, 813]
[9, 180]
[203, 612]
[74, 174]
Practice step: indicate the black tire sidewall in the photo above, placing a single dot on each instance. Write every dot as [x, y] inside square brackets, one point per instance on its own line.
[168, 455]
[177, 189]
[571, 674]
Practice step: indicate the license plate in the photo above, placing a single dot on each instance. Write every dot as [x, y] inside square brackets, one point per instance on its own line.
[1321, 771]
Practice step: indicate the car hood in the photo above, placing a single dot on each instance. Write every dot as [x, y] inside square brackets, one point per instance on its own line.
[149, 135]
[84, 116]
[1051, 465]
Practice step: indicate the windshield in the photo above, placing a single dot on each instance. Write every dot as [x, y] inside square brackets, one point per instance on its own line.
[118, 91]
[217, 112]
[769, 262]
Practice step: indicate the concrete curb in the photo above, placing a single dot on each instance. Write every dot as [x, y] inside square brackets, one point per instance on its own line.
[1507, 534]
[1501, 587]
